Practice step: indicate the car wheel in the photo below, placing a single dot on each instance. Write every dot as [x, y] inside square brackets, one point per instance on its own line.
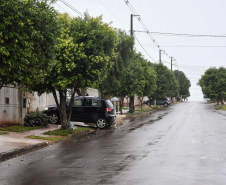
[101, 123]
[54, 118]
[165, 104]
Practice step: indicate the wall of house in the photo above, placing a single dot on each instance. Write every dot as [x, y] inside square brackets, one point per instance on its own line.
[19, 103]
[15, 104]
[10, 105]
[137, 101]
[34, 101]
[92, 92]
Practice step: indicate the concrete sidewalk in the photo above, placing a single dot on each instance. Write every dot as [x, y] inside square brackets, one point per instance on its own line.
[15, 143]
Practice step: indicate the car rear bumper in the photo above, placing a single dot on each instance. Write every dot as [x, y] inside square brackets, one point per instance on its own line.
[111, 119]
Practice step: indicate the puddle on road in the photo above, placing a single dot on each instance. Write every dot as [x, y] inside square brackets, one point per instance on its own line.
[149, 122]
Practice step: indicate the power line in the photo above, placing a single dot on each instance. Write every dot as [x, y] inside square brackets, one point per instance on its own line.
[197, 40]
[194, 74]
[187, 35]
[142, 24]
[71, 7]
[144, 49]
[63, 9]
[113, 14]
[187, 46]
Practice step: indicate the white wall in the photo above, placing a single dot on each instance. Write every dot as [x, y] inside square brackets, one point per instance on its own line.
[40, 102]
[92, 92]
[12, 110]
[15, 110]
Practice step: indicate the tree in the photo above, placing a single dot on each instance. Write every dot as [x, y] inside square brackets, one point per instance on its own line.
[213, 84]
[112, 84]
[133, 80]
[28, 32]
[85, 51]
[165, 81]
[184, 83]
[150, 78]
[175, 88]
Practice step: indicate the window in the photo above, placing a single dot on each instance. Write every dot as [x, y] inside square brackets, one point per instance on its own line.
[93, 103]
[78, 102]
[6, 100]
[110, 104]
[24, 102]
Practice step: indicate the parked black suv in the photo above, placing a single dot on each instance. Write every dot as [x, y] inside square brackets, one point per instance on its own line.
[87, 109]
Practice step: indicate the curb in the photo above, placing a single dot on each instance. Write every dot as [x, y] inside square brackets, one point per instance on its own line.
[8, 155]
[20, 151]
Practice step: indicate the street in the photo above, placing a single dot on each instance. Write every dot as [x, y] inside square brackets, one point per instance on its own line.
[182, 144]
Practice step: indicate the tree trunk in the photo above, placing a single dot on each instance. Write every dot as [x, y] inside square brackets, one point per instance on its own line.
[62, 108]
[141, 102]
[131, 104]
[121, 103]
[222, 101]
[172, 99]
[71, 105]
[63, 119]
[78, 92]
[57, 102]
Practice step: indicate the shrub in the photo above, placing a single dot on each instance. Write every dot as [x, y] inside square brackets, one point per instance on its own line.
[155, 107]
[36, 118]
[221, 107]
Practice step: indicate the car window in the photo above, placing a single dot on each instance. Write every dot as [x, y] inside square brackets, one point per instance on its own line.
[78, 102]
[109, 104]
[93, 103]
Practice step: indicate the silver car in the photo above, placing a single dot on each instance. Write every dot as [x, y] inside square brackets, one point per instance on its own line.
[165, 102]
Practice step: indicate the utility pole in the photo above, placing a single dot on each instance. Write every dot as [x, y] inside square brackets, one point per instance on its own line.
[131, 25]
[131, 98]
[171, 63]
[160, 57]
[172, 59]
[160, 53]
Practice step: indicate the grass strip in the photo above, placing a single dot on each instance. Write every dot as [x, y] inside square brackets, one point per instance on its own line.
[66, 132]
[3, 133]
[20, 128]
[139, 110]
[221, 107]
[125, 108]
[54, 139]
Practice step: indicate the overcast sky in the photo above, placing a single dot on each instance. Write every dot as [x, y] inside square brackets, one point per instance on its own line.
[197, 17]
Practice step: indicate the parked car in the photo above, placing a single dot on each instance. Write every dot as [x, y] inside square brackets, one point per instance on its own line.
[86, 109]
[163, 101]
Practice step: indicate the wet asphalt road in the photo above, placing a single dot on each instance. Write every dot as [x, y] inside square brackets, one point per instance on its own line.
[186, 146]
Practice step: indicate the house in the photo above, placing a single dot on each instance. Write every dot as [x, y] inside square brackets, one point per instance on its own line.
[15, 104]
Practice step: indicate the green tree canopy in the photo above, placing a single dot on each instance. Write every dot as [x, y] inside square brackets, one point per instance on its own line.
[213, 84]
[85, 51]
[149, 77]
[184, 83]
[165, 81]
[111, 86]
[28, 32]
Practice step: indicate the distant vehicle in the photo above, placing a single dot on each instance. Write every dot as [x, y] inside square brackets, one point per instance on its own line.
[164, 101]
[86, 109]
